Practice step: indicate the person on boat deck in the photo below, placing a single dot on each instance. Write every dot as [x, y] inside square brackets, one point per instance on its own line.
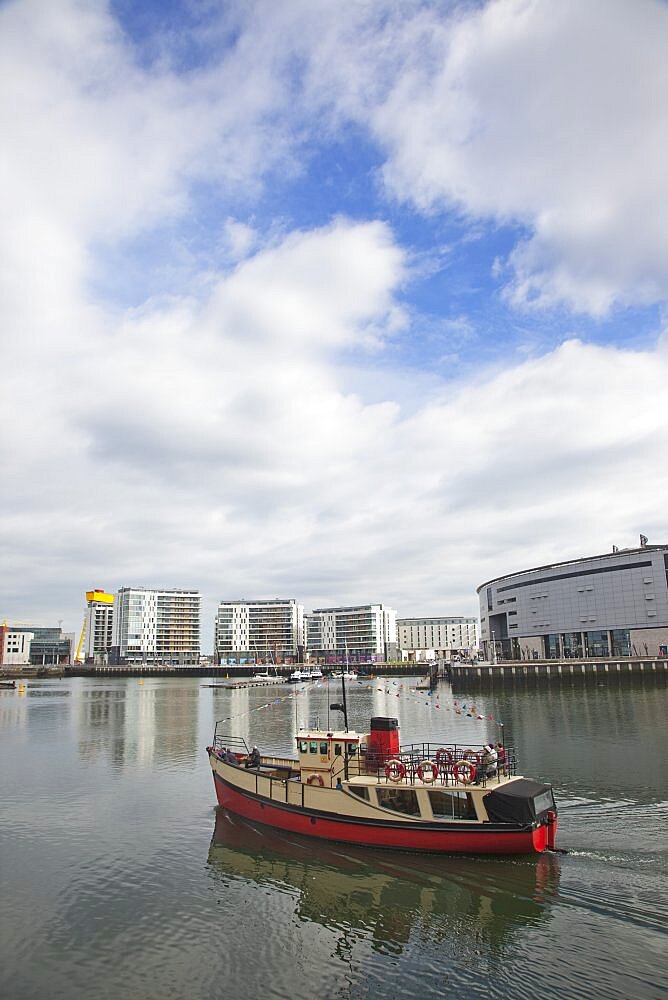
[489, 760]
[502, 758]
[253, 758]
[230, 757]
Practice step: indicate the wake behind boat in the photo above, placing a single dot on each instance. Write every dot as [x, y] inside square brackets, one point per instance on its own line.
[367, 789]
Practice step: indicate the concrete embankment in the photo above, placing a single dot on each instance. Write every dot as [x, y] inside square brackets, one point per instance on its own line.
[548, 670]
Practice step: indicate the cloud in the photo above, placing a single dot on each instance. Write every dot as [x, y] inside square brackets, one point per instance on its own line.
[550, 118]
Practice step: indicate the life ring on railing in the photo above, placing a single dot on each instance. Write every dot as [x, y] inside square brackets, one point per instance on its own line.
[444, 757]
[427, 771]
[465, 771]
[395, 770]
[473, 756]
[315, 779]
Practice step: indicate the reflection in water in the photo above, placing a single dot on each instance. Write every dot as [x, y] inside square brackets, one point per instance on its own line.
[388, 896]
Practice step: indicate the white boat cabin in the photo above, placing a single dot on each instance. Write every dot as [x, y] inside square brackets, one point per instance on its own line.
[327, 757]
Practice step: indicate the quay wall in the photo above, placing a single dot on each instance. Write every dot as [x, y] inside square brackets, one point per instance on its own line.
[509, 672]
[503, 672]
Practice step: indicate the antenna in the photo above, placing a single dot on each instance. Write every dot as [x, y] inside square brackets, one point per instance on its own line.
[345, 706]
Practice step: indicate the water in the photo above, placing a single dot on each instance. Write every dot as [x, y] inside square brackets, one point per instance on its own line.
[120, 879]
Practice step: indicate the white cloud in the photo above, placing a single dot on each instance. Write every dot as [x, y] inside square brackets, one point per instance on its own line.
[522, 111]
[220, 439]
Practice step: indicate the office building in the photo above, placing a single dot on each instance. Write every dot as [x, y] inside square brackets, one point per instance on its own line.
[14, 646]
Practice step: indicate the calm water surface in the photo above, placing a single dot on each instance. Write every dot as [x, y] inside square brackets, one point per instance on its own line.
[120, 878]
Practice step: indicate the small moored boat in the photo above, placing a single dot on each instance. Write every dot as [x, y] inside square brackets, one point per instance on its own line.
[367, 789]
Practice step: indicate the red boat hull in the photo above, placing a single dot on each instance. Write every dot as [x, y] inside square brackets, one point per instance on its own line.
[400, 836]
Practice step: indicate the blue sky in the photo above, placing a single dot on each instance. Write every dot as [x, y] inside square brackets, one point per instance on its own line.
[347, 303]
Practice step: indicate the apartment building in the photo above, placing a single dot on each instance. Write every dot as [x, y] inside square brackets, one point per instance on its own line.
[156, 626]
[98, 631]
[364, 634]
[436, 638]
[268, 631]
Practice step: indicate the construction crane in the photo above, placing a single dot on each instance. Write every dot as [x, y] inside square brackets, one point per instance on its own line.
[78, 658]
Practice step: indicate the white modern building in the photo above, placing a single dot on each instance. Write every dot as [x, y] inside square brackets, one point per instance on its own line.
[14, 646]
[98, 631]
[267, 631]
[607, 605]
[157, 626]
[364, 634]
[436, 638]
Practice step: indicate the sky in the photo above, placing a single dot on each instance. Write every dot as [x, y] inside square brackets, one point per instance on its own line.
[347, 302]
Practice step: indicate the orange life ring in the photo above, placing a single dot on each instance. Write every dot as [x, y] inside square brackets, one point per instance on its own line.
[444, 757]
[465, 771]
[395, 770]
[315, 778]
[424, 774]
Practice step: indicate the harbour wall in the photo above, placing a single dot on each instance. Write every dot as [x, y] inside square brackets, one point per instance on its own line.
[509, 672]
[502, 672]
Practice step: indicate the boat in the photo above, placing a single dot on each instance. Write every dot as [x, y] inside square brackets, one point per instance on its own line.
[297, 676]
[264, 677]
[7, 684]
[348, 675]
[368, 789]
[315, 674]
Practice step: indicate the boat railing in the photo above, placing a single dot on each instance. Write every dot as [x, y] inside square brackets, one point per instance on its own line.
[452, 764]
[222, 740]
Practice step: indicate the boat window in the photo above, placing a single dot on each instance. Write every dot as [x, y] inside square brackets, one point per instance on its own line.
[337, 749]
[314, 746]
[543, 802]
[454, 805]
[402, 800]
[352, 749]
[360, 790]
[303, 746]
[323, 747]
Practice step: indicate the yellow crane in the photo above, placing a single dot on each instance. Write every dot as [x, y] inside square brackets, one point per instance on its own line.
[77, 658]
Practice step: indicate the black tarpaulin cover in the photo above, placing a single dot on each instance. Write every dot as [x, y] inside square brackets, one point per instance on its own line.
[519, 802]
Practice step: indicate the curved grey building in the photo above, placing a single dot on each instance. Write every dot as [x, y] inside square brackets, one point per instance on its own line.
[609, 605]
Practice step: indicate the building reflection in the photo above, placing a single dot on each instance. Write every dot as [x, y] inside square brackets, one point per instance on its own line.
[388, 896]
[137, 723]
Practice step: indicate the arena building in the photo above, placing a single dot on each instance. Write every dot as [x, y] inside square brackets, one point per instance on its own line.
[608, 605]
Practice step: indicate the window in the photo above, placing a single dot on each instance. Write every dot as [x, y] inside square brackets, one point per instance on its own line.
[323, 748]
[360, 790]
[313, 747]
[303, 746]
[337, 749]
[402, 800]
[452, 805]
